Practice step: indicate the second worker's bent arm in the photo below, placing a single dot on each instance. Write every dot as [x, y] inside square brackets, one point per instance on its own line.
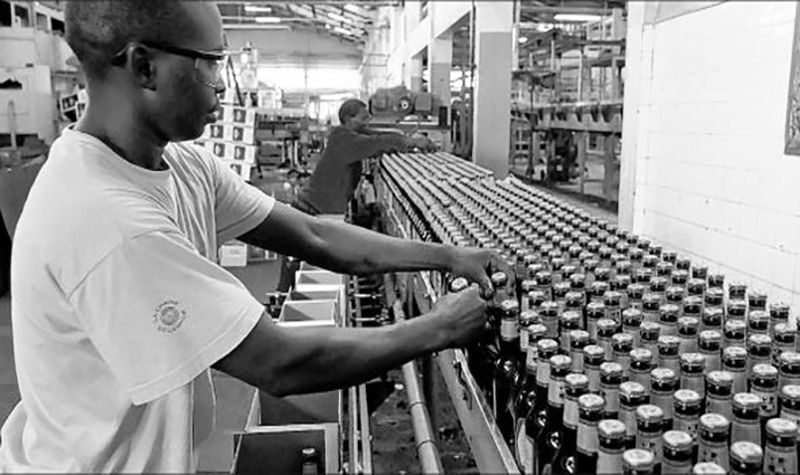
[284, 361]
[344, 248]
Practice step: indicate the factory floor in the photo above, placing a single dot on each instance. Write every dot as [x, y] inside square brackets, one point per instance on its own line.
[394, 450]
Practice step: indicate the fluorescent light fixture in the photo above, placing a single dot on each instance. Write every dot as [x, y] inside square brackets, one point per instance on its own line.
[351, 8]
[523, 39]
[268, 19]
[577, 17]
[257, 9]
[336, 16]
[341, 30]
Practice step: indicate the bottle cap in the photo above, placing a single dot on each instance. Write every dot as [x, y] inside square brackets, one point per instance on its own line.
[668, 342]
[687, 398]
[765, 371]
[606, 326]
[611, 370]
[692, 361]
[668, 312]
[612, 298]
[510, 308]
[779, 311]
[591, 403]
[537, 331]
[663, 376]
[548, 309]
[499, 279]
[714, 423]
[651, 301]
[778, 427]
[791, 392]
[708, 337]
[737, 308]
[458, 284]
[632, 317]
[641, 355]
[638, 460]
[734, 353]
[578, 338]
[528, 285]
[688, 325]
[622, 342]
[577, 382]
[595, 309]
[593, 353]
[746, 401]
[720, 378]
[631, 390]
[714, 296]
[560, 363]
[677, 440]
[708, 468]
[611, 429]
[529, 317]
[547, 348]
[747, 453]
[651, 329]
[636, 291]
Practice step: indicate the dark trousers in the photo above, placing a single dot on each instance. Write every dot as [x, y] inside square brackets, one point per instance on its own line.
[5, 259]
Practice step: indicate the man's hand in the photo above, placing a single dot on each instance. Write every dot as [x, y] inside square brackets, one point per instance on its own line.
[422, 143]
[463, 316]
[477, 265]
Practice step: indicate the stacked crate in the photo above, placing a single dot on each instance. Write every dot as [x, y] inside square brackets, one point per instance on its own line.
[232, 139]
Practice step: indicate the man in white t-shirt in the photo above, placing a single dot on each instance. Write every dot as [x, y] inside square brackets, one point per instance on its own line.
[119, 309]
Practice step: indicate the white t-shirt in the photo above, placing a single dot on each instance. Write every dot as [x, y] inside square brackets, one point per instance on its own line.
[119, 308]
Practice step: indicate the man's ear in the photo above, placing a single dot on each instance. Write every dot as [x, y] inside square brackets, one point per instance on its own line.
[142, 66]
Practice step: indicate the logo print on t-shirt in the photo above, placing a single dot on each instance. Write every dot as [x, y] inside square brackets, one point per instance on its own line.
[169, 316]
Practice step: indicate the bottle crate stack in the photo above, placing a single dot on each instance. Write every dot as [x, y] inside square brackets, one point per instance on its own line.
[232, 139]
[604, 352]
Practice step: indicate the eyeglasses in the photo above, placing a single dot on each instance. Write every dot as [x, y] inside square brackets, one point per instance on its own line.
[208, 64]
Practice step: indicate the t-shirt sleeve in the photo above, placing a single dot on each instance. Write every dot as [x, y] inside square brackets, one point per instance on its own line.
[160, 314]
[239, 207]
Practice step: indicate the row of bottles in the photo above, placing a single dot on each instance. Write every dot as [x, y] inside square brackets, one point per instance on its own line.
[610, 353]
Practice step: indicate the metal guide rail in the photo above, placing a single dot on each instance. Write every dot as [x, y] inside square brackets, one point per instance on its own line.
[397, 194]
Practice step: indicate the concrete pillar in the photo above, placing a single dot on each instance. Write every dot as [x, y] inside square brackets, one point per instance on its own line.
[491, 129]
[440, 63]
[415, 73]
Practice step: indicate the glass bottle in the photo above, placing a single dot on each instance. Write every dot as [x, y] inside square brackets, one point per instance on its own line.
[641, 365]
[638, 462]
[789, 369]
[535, 299]
[715, 430]
[552, 435]
[622, 344]
[631, 396]
[737, 291]
[590, 414]
[536, 421]
[778, 313]
[687, 333]
[576, 386]
[526, 319]
[734, 361]
[611, 445]
[758, 323]
[597, 290]
[677, 447]
[675, 294]
[693, 307]
[783, 339]
[759, 351]
[650, 304]
[507, 376]
[544, 282]
[631, 323]
[696, 288]
[668, 315]
[526, 287]
[756, 301]
[658, 286]
[688, 408]
[780, 455]
[736, 310]
[568, 322]
[548, 312]
[668, 356]
[790, 405]
[595, 311]
[593, 357]
[745, 425]
[693, 369]
[719, 393]
[578, 340]
[560, 291]
[526, 400]
[575, 302]
[636, 293]
[649, 428]
[611, 377]
[764, 384]
[649, 333]
[713, 314]
[606, 329]
[716, 280]
[747, 458]
[663, 384]
[709, 343]
[613, 302]
[309, 461]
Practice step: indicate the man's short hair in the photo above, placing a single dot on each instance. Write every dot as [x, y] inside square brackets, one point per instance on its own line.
[96, 30]
[349, 109]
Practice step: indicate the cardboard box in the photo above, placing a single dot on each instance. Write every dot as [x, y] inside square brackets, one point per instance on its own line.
[239, 115]
[243, 169]
[230, 132]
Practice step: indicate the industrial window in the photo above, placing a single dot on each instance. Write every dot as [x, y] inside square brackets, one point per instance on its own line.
[5, 13]
[42, 22]
[57, 26]
[22, 16]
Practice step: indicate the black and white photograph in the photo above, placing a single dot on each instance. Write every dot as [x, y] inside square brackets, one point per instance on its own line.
[355, 237]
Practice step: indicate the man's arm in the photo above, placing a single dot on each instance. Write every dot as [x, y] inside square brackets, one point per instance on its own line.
[349, 249]
[284, 361]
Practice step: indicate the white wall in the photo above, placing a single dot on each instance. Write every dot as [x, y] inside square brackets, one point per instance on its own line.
[704, 139]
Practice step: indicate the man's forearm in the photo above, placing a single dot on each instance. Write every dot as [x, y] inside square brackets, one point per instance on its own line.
[354, 250]
[307, 360]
